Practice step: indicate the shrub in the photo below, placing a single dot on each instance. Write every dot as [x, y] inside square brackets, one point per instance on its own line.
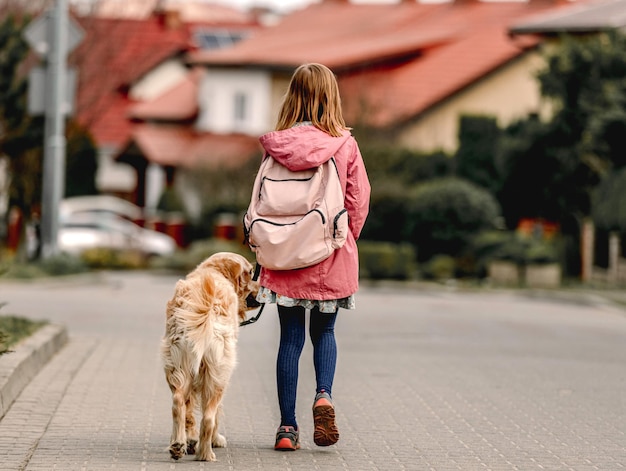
[445, 213]
[385, 260]
[541, 252]
[63, 264]
[392, 172]
[405, 165]
[387, 216]
[57, 265]
[439, 267]
[23, 271]
[4, 343]
[99, 258]
[486, 246]
[199, 251]
[485, 243]
[510, 246]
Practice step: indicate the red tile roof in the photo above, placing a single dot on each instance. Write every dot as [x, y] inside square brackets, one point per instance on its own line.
[113, 55]
[180, 146]
[400, 59]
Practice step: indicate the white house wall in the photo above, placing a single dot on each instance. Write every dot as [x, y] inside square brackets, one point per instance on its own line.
[113, 177]
[217, 97]
[119, 177]
[158, 80]
[155, 185]
[508, 94]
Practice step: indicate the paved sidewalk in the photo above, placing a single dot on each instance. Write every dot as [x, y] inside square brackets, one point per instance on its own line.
[426, 380]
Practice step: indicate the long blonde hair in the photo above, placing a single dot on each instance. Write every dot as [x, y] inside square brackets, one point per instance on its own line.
[313, 95]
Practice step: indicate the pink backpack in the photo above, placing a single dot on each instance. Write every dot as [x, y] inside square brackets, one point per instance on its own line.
[295, 219]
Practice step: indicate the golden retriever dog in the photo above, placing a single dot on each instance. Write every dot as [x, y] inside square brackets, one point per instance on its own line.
[199, 347]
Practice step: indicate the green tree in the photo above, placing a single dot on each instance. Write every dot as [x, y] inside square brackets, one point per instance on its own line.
[550, 169]
[542, 176]
[585, 79]
[609, 202]
[476, 156]
[82, 162]
[20, 135]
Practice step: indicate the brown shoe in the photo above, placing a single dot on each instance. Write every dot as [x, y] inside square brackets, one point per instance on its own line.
[326, 432]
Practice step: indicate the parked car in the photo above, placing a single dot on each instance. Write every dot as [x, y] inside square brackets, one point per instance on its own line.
[101, 204]
[81, 231]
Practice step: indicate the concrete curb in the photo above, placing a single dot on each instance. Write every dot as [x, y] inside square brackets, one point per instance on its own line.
[27, 359]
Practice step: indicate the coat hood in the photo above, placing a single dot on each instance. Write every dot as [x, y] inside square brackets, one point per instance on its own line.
[302, 147]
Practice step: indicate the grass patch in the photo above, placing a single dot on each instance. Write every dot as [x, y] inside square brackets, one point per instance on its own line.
[58, 265]
[13, 329]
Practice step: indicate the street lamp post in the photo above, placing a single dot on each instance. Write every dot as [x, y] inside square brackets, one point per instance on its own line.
[54, 145]
[51, 88]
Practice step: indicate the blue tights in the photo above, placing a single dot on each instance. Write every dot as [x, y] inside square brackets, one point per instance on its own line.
[292, 338]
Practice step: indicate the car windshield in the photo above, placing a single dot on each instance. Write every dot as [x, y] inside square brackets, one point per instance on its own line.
[104, 221]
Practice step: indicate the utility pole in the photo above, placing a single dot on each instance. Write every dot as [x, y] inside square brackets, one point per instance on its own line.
[54, 146]
[52, 36]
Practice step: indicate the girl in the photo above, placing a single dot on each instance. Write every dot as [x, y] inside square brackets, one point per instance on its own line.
[311, 130]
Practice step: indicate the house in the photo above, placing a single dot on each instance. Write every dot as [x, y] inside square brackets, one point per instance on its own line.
[135, 56]
[408, 69]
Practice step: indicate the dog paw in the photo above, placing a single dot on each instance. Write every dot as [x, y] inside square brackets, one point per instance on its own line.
[191, 447]
[220, 441]
[205, 455]
[177, 450]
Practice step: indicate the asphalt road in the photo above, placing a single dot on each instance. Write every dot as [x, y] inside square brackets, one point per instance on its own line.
[427, 379]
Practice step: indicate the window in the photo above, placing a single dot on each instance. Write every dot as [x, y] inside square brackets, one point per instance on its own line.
[217, 38]
[240, 108]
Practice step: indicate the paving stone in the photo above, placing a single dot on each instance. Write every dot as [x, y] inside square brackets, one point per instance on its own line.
[426, 380]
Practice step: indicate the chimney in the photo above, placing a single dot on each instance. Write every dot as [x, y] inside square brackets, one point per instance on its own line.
[169, 18]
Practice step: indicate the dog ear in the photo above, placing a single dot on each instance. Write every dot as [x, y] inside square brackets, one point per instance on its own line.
[239, 275]
[234, 267]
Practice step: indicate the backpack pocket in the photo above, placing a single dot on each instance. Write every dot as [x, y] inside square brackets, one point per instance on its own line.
[293, 196]
[288, 246]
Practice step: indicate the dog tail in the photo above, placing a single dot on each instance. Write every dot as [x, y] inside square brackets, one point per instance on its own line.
[200, 313]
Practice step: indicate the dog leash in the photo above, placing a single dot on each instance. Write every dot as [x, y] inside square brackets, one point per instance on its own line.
[252, 320]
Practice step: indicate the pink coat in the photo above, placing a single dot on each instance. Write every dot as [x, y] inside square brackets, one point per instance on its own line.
[304, 147]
